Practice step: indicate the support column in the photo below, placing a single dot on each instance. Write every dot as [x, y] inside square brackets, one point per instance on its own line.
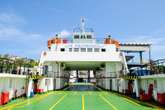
[88, 75]
[150, 54]
[54, 70]
[94, 73]
[141, 57]
[57, 70]
[29, 88]
[77, 75]
[136, 86]
[54, 81]
[59, 74]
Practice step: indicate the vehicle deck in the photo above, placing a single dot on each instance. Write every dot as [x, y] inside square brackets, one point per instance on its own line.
[76, 97]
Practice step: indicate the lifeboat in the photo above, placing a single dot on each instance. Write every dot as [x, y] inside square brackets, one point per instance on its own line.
[55, 41]
[109, 40]
[49, 44]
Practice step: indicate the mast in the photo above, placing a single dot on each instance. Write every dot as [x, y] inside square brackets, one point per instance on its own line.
[82, 25]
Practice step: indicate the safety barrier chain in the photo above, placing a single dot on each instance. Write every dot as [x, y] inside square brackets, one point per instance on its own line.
[131, 77]
[35, 77]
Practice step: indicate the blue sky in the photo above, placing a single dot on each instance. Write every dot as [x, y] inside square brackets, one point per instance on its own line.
[25, 25]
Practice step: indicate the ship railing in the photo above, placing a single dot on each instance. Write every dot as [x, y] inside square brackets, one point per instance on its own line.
[16, 71]
[109, 75]
[98, 40]
[86, 30]
[56, 75]
[158, 66]
[14, 65]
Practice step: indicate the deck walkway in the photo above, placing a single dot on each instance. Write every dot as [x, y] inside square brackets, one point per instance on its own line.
[90, 99]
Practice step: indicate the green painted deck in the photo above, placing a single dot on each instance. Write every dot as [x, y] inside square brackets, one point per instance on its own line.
[75, 100]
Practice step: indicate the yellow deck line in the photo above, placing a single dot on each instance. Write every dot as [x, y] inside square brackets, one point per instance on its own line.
[128, 100]
[104, 99]
[36, 100]
[136, 102]
[58, 102]
[13, 105]
[30, 102]
[66, 88]
[99, 88]
[26, 100]
[83, 104]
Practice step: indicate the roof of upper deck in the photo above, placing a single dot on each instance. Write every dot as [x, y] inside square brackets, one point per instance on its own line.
[135, 47]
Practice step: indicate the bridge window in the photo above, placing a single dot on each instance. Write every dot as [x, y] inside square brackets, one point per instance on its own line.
[83, 49]
[70, 49]
[76, 49]
[89, 37]
[82, 36]
[103, 50]
[62, 49]
[96, 49]
[89, 49]
[76, 36]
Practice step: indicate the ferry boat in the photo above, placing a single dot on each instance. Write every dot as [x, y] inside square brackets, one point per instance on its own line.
[83, 59]
[83, 53]
[106, 61]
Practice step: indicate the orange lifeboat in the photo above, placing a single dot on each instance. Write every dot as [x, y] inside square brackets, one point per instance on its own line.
[49, 43]
[57, 41]
[109, 40]
[54, 41]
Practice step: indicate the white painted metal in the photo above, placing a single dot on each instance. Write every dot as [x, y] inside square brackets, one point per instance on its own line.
[29, 88]
[136, 87]
[46, 84]
[12, 83]
[135, 47]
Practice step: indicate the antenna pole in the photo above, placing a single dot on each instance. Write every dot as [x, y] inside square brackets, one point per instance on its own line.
[82, 25]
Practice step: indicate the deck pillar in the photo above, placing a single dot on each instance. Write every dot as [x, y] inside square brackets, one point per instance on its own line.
[77, 75]
[141, 57]
[88, 75]
[136, 87]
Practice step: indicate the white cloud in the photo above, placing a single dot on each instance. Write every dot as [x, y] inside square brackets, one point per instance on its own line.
[9, 26]
[17, 34]
[65, 33]
[9, 30]
[8, 33]
[13, 39]
[21, 43]
[10, 19]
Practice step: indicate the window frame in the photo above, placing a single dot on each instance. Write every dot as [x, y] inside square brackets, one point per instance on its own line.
[83, 49]
[76, 49]
[76, 37]
[89, 49]
[103, 50]
[96, 49]
[62, 49]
